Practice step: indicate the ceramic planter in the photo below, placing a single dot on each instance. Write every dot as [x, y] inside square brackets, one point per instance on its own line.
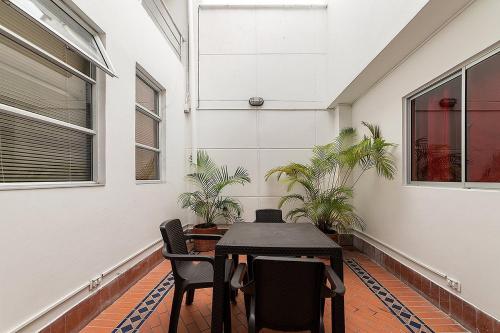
[204, 245]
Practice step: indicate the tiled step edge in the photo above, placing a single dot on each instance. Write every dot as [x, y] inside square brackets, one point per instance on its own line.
[463, 312]
[81, 314]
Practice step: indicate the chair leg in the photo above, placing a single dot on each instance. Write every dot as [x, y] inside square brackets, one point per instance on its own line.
[321, 323]
[247, 299]
[319, 329]
[189, 296]
[234, 292]
[252, 325]
[250, 266]
[176, 310]
[321, 317]
[227, 309]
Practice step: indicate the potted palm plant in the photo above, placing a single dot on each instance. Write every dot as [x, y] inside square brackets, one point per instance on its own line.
[207, 200]
[328, 179]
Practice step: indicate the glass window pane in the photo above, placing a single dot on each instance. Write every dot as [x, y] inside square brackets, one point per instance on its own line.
[31, 83]
[145, 95]
[146, 130]
[483, 121]
[19, 24]
[146, 164]
[436, 134]
[52, 16]
[32, 151]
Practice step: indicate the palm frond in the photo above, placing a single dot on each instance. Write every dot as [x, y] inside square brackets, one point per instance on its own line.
[210, 180]
[296, 213]
[325, 180]
[374, 129]
[290, 197]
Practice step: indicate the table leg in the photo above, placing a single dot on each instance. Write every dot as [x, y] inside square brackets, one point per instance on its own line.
[338, 318]
[218, 294]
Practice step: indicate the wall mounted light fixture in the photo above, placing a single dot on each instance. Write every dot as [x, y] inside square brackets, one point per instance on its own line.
[448, 103]
[256, 101]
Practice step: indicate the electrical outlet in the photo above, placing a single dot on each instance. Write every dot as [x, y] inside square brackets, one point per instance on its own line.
[94, 283]
[454, 284]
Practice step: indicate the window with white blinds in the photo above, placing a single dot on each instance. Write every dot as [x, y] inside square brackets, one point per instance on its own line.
[147, 129]
[54, 18]
[46, 106]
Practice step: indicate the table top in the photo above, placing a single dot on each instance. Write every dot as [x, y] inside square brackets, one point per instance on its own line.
[276, 238]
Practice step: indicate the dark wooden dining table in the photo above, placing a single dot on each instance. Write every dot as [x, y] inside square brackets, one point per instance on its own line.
[275, 239]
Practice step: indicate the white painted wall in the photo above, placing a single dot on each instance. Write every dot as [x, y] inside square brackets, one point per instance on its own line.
[259, 141]
[277, 53]
[453, 230]
[55, 240]
[358, 30]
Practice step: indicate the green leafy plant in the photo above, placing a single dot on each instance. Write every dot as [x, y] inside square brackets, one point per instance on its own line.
[207, 201]
[328, 179]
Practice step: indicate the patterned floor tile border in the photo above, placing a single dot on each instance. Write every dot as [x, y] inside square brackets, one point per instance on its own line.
[411, 321]
[134, 320]
[143, 310]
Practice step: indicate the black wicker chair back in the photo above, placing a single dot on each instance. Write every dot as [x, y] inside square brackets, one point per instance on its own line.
[173, 236]
[190, 271]
[175, 241]
[269, 216]
[264, 216]
[287, 294]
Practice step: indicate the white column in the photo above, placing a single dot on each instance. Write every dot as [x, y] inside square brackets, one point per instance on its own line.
[342, 117]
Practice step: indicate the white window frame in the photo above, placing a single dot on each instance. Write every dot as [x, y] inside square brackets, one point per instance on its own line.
[460, 70]
[107, 67]
[98, 170]
[142, 74]
[161, 16]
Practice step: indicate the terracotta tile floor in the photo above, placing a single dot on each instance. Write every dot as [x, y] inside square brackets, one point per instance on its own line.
[364, 312]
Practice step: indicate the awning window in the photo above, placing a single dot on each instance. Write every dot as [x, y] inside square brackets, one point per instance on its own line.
[59, 23]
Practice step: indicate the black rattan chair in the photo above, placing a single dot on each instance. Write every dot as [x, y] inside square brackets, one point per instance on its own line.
[191, 272]
[269, 216]
[287, 294]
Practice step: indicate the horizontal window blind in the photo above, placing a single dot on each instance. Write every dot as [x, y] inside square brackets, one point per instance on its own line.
[32, 151]
[46, 112]
[66, 28]
[146, 96]
[33, 84]
[146, 164]
[19, 24]
[147, 130]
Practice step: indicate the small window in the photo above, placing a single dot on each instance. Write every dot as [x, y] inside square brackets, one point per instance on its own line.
[435, 133]
[438, 119]
[147, 128]
[483, 121]
[54, 19]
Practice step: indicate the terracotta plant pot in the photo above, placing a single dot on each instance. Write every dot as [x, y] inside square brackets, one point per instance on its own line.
[204, 245]
[344, 240]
